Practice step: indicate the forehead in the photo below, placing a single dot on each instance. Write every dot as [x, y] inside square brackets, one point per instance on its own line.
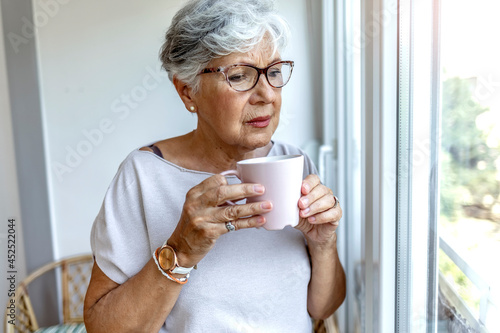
[262, 55]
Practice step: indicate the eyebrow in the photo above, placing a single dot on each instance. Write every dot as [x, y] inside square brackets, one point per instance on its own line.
[250, 64]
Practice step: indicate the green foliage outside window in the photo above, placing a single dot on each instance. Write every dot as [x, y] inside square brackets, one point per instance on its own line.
[468, 169]
[469, 182]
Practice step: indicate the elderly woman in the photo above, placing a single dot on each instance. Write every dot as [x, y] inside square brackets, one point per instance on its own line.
[165, 213]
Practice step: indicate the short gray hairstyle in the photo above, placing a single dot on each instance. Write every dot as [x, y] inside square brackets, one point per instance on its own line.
[207, 29]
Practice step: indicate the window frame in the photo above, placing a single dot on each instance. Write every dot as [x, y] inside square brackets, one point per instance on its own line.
[367, 237]
[399, 160]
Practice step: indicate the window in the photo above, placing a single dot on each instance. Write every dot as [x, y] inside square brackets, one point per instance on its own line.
[469, 180]
[417, 100]
[448, 167]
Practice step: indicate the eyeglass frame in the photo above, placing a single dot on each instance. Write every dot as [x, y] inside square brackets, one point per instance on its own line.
[224, 70]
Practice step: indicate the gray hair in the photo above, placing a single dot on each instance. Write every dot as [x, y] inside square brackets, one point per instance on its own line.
[207, 29]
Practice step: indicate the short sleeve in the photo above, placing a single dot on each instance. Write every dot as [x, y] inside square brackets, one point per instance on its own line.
[119, 237]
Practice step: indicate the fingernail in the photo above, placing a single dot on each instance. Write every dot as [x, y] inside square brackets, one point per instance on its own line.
[306, 211]
[259, 188]
[266, 205]
[312, 219]
[261, 220]
[307, 187]
[305, 202]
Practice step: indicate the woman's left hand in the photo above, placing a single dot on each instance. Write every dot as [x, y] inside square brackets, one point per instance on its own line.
[320, 212]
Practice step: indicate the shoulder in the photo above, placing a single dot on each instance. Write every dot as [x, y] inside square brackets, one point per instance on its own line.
[136, 159]
[283, 148]
[134, 166]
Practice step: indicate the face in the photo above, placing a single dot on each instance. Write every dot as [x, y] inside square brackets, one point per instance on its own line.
[238, 120]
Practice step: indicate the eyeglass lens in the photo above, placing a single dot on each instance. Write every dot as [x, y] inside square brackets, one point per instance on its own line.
[243, 78]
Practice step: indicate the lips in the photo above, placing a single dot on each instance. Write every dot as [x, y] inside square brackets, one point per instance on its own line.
[259, 122]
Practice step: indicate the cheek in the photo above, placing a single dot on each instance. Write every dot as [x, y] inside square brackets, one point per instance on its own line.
[228, 108]
[227, 113]
[277, 105]
[231, 107]
[216, 102]
[278, 100]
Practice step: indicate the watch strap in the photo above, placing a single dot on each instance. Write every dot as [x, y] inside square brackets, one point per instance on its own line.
[182, 270]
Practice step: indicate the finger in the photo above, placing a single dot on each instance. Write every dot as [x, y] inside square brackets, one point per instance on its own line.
[309, 183]
[209, 183]
[245, 223]
[219, 195]
[316, 194]
[242, 191]
[323, 204]
[235, 212]
[331, 216]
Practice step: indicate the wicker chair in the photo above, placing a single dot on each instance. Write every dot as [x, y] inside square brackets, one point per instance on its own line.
[74, 273]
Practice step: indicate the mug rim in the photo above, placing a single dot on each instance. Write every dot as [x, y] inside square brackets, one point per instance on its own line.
[269, 159]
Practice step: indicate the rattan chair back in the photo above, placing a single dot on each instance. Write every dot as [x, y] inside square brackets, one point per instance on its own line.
[74, 276]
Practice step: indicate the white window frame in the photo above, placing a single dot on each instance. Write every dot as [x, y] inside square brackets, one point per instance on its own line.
[364, 177]
[379, 112]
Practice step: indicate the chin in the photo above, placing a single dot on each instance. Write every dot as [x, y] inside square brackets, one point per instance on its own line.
[260, 141]
[255, 139]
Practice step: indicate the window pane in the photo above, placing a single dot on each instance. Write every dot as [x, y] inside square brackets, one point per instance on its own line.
[469, 223]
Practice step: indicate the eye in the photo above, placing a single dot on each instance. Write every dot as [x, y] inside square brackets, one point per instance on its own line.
[274, 72]
[240, 74]
[238, 77]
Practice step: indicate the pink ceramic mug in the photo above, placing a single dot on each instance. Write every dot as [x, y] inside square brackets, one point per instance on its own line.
[282, 178]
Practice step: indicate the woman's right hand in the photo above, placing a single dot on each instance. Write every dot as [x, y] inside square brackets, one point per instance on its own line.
[205, 213]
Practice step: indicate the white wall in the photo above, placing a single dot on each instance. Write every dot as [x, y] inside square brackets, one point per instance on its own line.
[104, 95]
[9, 191]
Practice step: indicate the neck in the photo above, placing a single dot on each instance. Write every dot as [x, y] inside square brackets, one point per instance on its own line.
[214, 156]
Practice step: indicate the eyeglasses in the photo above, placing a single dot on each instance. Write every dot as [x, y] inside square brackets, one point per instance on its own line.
[244, 77]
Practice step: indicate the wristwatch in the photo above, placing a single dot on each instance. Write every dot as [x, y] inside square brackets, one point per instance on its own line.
[167, 259]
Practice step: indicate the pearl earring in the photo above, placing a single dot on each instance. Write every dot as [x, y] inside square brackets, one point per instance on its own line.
[192, 108]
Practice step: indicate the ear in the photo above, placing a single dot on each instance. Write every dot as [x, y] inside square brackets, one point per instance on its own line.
[185, 93]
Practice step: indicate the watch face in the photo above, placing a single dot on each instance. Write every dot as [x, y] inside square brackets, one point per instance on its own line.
[166, 258]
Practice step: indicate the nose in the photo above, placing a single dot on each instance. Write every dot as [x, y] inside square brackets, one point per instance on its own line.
[264, 92]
